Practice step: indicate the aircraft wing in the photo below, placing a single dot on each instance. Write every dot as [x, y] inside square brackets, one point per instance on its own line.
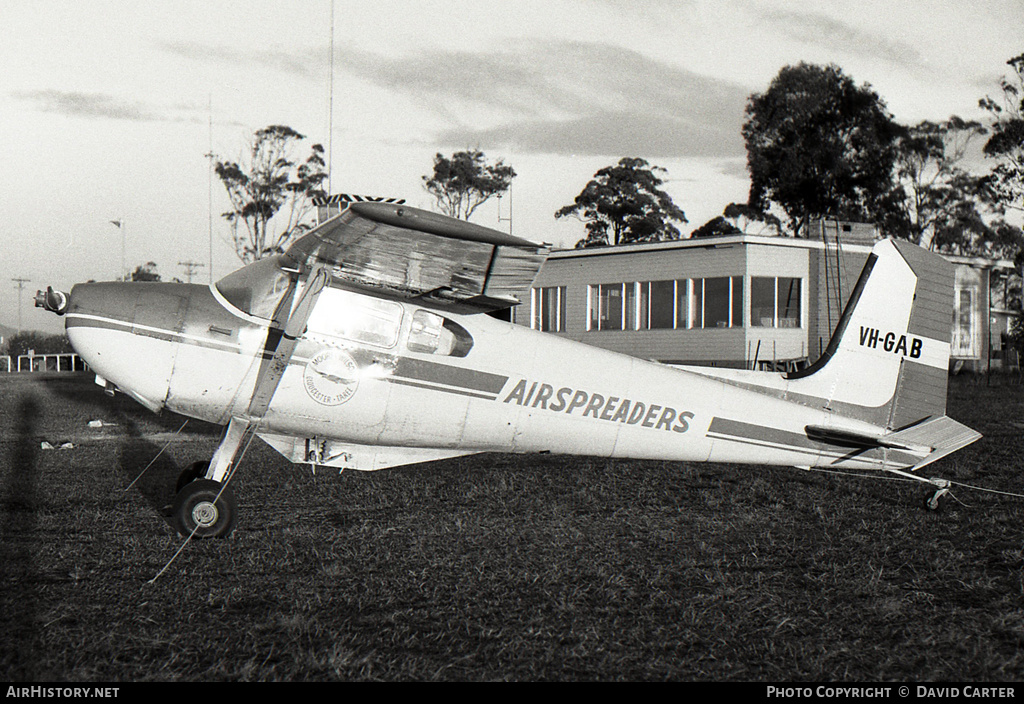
[414, 253]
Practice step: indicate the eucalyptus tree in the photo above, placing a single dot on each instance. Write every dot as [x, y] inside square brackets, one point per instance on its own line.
[932, 192]
[818, 145]
[267, 183]
[1005, 186]
[463, 182]
[624, 204]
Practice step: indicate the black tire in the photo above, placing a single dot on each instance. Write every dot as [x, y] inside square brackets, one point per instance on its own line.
[198, 508]
[196, 471]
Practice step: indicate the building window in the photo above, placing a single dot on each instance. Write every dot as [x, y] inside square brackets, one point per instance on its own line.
[548, 308]
[630, 315]
[717, 302]
[667, 305]
[774, 302]
[789, 297]
[684, 313]
[606, 306]
[656, 305]
[966, 324]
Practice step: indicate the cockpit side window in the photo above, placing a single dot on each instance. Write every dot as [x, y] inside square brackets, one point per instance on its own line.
[352, 316]
[434, 334]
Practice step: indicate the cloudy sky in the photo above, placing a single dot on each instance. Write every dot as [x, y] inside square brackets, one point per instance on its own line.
[107, 107]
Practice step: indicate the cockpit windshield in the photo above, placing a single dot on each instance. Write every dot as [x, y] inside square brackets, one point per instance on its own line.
[258, 288]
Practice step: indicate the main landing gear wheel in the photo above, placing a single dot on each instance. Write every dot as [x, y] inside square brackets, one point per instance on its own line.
[206, 507]
[196, 471]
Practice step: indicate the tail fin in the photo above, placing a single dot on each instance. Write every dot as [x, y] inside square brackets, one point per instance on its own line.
[887, 362]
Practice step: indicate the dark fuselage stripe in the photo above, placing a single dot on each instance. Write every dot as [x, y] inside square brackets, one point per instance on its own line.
[734, 429]
[762, 436]
[78, 320]
[462, 392]
[75, 321]
[466, 379]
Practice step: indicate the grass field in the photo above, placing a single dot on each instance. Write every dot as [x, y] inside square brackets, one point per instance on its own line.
[498, 567]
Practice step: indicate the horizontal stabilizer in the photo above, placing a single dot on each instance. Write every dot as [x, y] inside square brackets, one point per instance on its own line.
[931, 439]
[943, 434]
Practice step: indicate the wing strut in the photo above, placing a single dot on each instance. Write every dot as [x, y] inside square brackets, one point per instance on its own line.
[282, 337]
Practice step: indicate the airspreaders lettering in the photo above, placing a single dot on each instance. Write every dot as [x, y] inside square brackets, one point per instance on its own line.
[612, 408]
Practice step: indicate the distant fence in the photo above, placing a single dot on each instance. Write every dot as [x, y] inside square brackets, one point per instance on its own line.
[63, 362]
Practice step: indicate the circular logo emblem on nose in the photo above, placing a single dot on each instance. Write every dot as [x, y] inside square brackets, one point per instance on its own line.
[331, 377]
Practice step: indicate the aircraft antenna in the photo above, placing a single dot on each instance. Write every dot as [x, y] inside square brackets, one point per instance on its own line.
[330, 105]
[20, 286]
[209, 187]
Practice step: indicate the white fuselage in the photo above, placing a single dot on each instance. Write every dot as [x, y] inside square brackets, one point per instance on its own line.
[368, 372]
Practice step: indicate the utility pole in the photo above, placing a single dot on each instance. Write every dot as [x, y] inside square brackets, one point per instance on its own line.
[190, 268]
[21, 285]
[509, 218]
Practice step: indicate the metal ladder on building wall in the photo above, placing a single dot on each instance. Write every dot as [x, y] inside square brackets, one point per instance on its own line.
[833, 252]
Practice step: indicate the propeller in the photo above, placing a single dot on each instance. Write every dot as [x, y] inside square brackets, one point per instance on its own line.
[53, 301]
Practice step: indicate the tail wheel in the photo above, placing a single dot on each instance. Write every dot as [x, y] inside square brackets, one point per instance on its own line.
[933, 503]
[205, 509]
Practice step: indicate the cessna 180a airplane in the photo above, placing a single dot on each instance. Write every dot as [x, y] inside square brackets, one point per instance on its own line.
[367, 345]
